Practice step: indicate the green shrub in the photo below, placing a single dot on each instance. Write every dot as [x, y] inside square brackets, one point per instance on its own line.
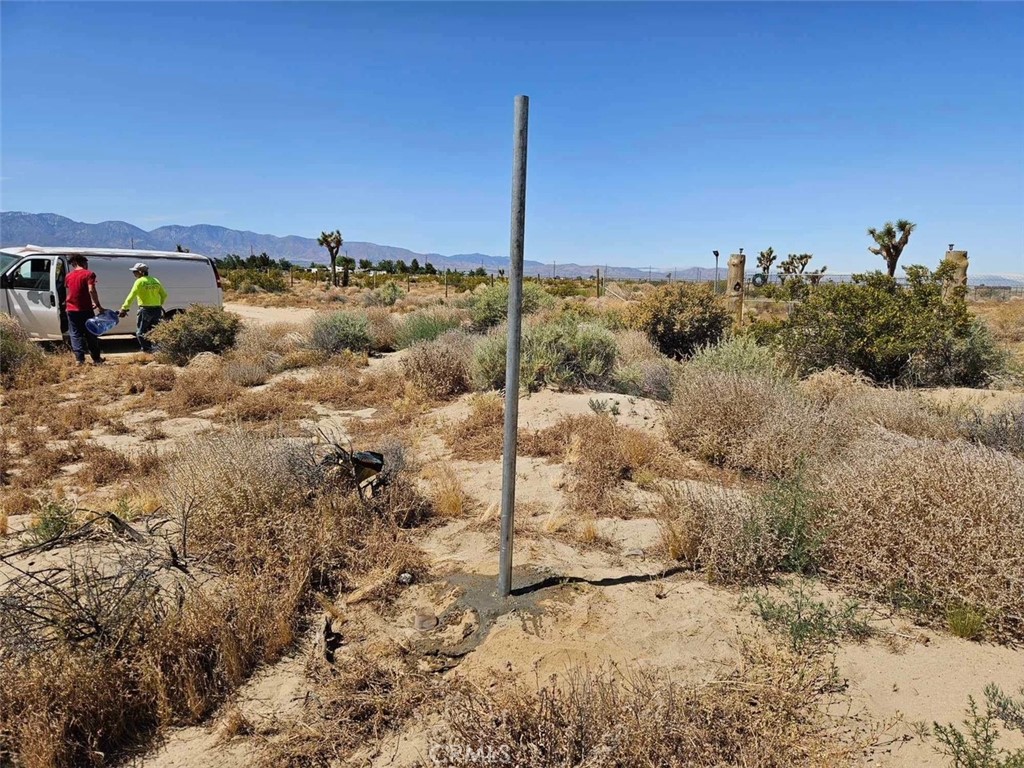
[248, 280]
[424, 326]
[490, 306]
[52, 520]
[654, 379]
[977, 748]
[16, 350]
[338, 331]
[565, 288]
[909, 335]
[739, 354]
[199, 329]
[680, 318]
[563, 356]
[385, 296]
[810, 625]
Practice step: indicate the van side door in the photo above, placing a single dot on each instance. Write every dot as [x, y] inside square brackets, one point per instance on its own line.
[31, 293]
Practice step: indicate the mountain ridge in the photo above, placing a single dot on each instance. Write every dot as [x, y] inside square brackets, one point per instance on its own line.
[51, 229]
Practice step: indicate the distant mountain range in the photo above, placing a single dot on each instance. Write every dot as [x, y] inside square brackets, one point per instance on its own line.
[18, 228]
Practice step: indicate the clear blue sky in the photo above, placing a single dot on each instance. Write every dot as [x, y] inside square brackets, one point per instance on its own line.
[658, 132]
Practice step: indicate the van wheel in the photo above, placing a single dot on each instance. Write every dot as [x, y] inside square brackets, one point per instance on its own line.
[172, 313]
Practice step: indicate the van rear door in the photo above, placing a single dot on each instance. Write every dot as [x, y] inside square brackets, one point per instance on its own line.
[30, 290]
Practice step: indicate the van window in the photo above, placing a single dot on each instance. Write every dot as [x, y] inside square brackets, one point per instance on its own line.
[32, 275]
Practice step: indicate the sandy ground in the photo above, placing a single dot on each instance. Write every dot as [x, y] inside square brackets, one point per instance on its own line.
[265, 315]
[612, 606]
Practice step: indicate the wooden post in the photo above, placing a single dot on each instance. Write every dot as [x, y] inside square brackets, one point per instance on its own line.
[735, 285]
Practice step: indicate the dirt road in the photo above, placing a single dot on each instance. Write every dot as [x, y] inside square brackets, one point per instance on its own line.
[266, 315]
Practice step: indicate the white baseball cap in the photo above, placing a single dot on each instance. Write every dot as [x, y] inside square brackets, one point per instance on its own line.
[140, 267]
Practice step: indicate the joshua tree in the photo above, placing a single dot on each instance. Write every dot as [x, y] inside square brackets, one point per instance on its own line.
[794, 264]
[347, 263]
[766, 259]
[891, 242]
[332, 241]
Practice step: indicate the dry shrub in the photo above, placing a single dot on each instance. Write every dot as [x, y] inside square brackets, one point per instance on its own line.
[300, 358]
[17, 351]
[441, 368]
[855, 399]
[479, 436]
[68, 417]
[933, 526]
[602, 454]
[147, 378]
[39, 465]
[251, 370]
[280, 339]
[832, 384]
[769, 713]
[728, 535]
[382, 329]
[752, 423]
[266, 405]
[345, 386]
[198, 388]
[635, 347]
[16, 502]
[104, 465]
[357, 701]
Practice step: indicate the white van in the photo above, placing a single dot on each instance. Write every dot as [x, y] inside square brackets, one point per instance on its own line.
[32, 284]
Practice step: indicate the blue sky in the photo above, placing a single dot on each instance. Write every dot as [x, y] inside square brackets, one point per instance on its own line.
[658, 132]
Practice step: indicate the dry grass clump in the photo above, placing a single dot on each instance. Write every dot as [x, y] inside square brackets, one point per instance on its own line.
[441, 368]
[602, 455]
[756, 424]
[147, 378]
[264, 406]
[833, 384]
[444, 489]
[198, 388]
[479, 436]
[104, 465]
[358, 700]
[728, 535]
[768, 713]
[251, 371]
[346, 387]
[1004, 318]
[933, 526]
[271, 338]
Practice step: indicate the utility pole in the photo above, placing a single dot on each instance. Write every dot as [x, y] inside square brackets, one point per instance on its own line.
[515, 326]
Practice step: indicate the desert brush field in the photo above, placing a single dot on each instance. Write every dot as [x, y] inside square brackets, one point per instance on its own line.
[757, 544]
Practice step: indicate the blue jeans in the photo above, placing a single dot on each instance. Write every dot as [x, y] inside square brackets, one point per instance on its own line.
[148, 318]
[80, 337]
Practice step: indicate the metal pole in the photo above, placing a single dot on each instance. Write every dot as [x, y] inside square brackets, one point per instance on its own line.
[515, 326]
[716, 273]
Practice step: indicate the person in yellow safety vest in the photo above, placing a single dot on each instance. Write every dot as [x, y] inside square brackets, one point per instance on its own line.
[151, 296]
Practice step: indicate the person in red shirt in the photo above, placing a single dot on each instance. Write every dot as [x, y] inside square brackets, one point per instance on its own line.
[81, 303]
